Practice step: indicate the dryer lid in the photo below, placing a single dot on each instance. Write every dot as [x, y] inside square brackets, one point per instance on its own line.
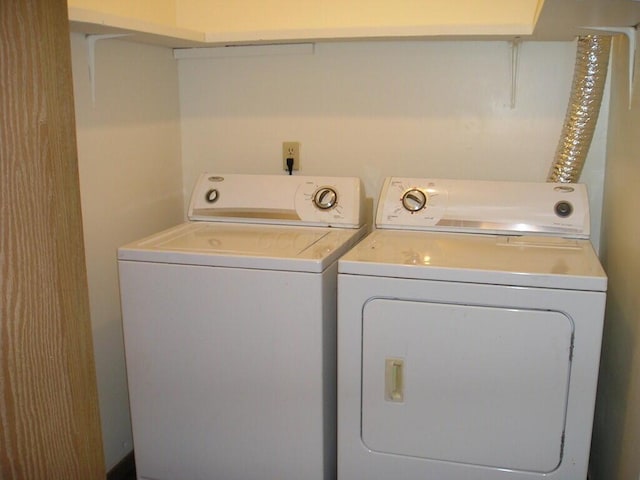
[547, 262]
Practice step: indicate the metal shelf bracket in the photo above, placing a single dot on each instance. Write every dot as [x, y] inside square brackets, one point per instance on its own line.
[91, 46]
[515, 56]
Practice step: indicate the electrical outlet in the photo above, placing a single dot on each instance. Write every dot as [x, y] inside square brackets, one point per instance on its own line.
[291, 150]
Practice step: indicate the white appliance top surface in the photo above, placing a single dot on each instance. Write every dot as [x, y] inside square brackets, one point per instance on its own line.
[548, 262]
[241, 245]
[472, 206]
[278, 200]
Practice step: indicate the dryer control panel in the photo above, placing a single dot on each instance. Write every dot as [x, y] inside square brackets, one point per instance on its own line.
[278, 200]
[560, 209]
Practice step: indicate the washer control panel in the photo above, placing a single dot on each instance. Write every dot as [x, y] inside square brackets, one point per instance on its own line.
[484, 207]
[278, 199]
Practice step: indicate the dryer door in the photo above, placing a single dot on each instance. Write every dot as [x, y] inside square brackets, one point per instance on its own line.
[468, 384]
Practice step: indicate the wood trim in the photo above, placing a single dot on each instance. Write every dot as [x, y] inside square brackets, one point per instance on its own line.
[49, 419]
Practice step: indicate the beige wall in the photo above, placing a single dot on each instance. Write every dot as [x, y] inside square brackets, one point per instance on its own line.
[615, 451]
[131, 186]
[373, 109]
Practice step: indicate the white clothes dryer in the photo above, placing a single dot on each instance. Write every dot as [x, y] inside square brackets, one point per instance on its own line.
[469, 333]
[230, 330]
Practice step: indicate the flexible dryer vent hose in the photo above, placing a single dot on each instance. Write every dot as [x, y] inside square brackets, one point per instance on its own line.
[592, 59]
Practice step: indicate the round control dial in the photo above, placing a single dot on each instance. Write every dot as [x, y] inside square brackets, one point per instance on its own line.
[414, 200]
[563, 209]
[212, 195]
[325, 198]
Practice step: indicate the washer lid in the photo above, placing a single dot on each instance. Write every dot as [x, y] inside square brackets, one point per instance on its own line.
[267, 247]
[548, 262]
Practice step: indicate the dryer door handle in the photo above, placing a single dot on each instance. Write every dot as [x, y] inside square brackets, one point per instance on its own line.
[394, 380]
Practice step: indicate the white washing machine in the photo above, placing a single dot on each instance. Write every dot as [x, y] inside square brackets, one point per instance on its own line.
[230, 330]
[469, 331]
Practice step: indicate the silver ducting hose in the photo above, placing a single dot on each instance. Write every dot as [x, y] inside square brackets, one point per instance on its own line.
[592, 59]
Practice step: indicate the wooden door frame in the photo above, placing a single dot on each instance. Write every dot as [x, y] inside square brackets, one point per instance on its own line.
[49, 417]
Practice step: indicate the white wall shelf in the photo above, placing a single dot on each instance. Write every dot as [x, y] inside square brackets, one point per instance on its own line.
[93, 22]
[196, 23]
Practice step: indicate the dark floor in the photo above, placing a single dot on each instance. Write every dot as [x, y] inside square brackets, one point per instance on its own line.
[125, 470]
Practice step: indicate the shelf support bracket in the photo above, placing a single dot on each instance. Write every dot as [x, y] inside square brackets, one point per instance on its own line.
[632, 36]
[515, 56]
[91, 46]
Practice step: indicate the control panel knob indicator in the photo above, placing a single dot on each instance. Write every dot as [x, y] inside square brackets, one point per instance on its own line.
[325, 198]
[414, 200]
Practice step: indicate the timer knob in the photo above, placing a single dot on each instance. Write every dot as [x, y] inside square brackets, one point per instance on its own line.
[212, 195]
[563, 209]
[325, 198]
[414, 200]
